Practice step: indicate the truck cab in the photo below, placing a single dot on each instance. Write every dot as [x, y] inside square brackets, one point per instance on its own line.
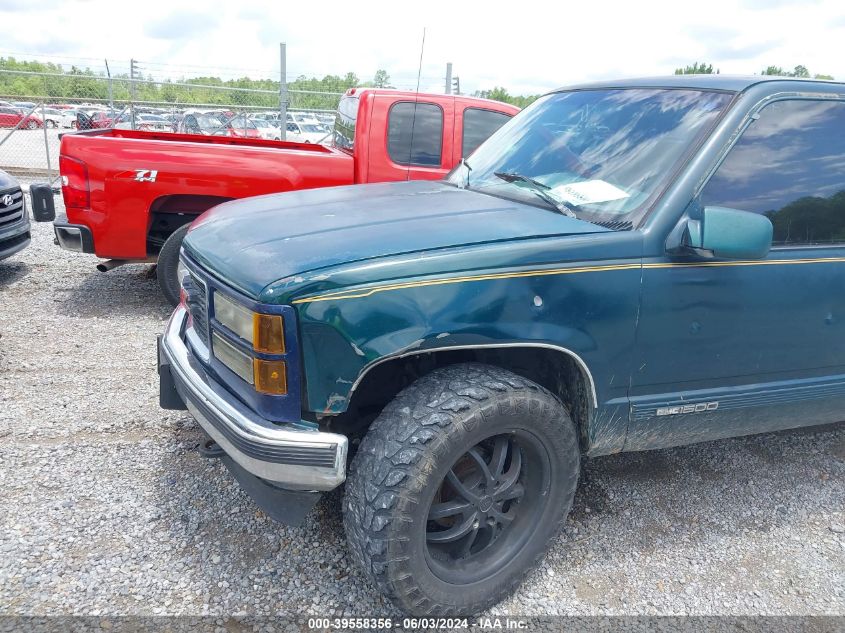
[623, 266]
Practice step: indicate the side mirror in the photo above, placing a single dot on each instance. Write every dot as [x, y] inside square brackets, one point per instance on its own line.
[730, 233]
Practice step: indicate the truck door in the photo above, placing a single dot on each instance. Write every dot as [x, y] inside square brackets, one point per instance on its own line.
[734, 347]
[410, 140]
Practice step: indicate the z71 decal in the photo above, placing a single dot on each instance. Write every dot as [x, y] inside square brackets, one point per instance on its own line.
[146, 175]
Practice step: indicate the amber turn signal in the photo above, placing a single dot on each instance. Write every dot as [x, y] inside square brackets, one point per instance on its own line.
[270, 377]
[268, 334]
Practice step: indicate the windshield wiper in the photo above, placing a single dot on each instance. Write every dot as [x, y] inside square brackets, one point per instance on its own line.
[465, 164]
[538, 188]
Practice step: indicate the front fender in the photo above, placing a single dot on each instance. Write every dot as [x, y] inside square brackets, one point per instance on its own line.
[342, 338]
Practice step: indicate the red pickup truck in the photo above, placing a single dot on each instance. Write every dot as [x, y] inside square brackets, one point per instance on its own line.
[131, 195]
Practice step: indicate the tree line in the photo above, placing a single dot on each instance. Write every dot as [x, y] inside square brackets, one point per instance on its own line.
[82, 84]
[699, 68]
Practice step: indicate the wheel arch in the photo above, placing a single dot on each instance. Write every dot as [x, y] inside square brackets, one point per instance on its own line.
[170, 212]
[559, 369]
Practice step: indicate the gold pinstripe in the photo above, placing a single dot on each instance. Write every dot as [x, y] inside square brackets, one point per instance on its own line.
[366, 292]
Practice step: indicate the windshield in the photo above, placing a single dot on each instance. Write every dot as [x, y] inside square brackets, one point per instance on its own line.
[602, 153]
[311, 128]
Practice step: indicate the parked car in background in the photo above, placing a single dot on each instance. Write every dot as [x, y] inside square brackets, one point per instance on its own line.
[325, 118]
[217, 124]
[243, 127]
[625, 266]
[51, 117]
[173, 118]
[307, 131]
[14, 220]
[26, 106]
[12, 116]
[143, 121]
[130, 195]
[268, 129]
[68, 118]
[102, 119]
[200, 123]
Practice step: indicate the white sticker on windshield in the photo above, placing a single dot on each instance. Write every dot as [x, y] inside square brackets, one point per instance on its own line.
[588, 191]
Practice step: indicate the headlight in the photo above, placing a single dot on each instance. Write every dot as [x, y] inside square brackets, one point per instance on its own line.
[234, 316]
[264, 332]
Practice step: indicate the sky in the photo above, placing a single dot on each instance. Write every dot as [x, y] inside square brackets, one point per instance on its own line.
[528, 47]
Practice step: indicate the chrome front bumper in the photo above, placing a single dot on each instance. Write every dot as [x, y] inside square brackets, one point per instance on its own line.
[285, 457]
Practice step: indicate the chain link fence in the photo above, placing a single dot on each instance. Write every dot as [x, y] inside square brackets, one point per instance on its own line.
[36, 108]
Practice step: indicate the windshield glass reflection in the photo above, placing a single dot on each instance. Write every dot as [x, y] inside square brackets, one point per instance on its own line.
[603, 152]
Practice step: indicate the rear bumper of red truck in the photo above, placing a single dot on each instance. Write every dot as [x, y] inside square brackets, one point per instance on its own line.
[73, 237]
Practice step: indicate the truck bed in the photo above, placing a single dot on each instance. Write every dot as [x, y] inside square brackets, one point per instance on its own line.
[143, 184]
[199, 138]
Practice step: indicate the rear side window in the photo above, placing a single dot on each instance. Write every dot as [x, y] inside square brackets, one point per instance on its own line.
[415, 134]
[478, 126]
[344, 124]
[788, 166]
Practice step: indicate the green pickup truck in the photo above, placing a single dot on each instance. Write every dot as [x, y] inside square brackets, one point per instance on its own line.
[623, 266]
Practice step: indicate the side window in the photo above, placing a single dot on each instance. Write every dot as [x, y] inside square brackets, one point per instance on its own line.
[478, 126]
[790, 166]
[415, 139]
[291, 127]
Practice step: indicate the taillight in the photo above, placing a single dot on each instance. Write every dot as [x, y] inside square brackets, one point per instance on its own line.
[75, 190]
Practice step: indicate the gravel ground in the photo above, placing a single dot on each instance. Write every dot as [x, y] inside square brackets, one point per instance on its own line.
[108, 509]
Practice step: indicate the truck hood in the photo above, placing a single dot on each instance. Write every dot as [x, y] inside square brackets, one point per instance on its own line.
[253, 242]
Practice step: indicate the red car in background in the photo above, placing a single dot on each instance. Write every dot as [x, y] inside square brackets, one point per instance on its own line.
[102, 120]
[11, 116]
[242, 127]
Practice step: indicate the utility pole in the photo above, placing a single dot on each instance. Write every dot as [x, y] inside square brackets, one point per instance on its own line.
[457, 84]
[449, 78]
[132, 92]
[283, 91]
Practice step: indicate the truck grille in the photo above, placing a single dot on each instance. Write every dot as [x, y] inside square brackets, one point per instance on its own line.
[11, 206]
[198, 306]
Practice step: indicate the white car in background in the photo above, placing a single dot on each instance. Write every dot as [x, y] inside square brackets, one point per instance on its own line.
[306, 131]
[51, 116]
[68, 118]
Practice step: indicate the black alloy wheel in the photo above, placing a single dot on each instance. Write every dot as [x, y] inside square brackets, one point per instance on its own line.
[476, 519]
